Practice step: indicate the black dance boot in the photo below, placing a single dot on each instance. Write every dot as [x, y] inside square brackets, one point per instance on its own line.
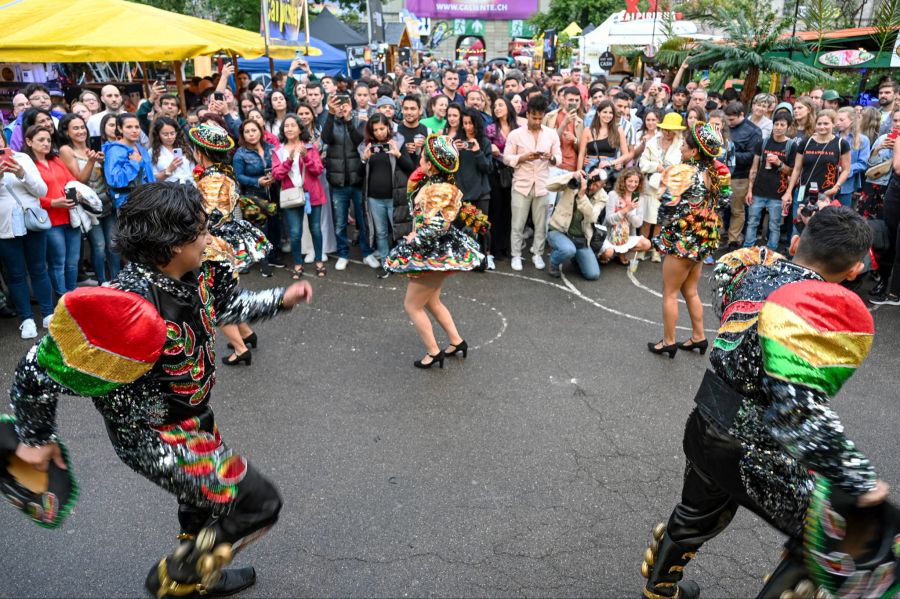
[663, 566]
[194, 567]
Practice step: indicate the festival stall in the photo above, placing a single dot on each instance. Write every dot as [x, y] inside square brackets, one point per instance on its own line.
[328, 60]
[92, 31]
[647, 30]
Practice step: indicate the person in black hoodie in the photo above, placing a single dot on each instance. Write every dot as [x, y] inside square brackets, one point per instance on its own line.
[747, 139]
[474, 167]
[344, 170]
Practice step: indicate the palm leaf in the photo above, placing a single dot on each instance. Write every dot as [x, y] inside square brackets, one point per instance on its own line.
[674, 51]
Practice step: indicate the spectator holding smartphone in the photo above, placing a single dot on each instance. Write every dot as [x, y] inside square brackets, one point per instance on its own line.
[86, 166]
[126, 163]
[23, 253]
[475, 163]
[568, 120]
[531, 151]
[63, 240]
[169, 152]
[383, 158]
[345, 171]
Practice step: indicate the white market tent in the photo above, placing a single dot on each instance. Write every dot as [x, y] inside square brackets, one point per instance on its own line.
[619, 31]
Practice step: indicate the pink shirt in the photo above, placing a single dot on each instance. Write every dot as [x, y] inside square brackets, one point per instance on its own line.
[535, 173]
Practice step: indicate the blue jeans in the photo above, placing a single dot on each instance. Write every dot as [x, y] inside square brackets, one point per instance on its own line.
[846, 199]
[63, 252]
[26, 257]
[563, 249]
[754, 216]
[382, 212]
[294, 217]
[340, 200]
[101, 237]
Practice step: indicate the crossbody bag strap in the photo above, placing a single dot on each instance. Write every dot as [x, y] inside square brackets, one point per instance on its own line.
[805, 148]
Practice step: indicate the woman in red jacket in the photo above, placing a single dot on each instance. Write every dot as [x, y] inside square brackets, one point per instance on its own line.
[63, 240]
[298, 162]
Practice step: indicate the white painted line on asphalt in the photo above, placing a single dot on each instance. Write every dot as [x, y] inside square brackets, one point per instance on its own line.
[640, 285]
[504, 323]
[575, 291]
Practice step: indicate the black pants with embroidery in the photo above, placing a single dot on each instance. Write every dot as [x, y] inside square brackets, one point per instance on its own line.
[712, 493]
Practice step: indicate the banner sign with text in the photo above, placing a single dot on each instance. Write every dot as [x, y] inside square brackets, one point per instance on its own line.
[493, 10]
[284, 19]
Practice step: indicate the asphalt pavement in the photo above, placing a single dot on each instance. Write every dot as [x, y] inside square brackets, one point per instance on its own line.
[535, 467]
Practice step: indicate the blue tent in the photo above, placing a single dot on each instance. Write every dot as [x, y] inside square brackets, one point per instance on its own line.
[331, 62]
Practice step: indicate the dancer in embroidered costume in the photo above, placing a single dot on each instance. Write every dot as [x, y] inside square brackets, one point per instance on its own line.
[235, 241]
[434, 249]
[144, 351]
[789, 339]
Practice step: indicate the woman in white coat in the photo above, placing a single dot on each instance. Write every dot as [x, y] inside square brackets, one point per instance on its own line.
[661, 152]
[23, 252]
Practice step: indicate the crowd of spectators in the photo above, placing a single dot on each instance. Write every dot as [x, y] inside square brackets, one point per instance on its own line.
[352, 144]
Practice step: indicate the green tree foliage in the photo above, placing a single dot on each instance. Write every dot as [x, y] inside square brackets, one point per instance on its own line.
[885, 20]
[237, 13]
[240, 13]
[563, 12]
[751, 32]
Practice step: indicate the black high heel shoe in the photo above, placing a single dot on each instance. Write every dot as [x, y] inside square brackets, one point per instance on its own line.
[235, 359]
[691, 345]
[664, 349]
[250, 340]
[461, 347]
[438, 358]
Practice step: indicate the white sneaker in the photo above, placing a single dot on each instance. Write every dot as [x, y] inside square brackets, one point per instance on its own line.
[538, 262]
[28, 328]
[309, 258]
[324, 257]
[341, 264]
[516, 263]
[490, 263]
[47, 321]
[372, 261]
[286, 247]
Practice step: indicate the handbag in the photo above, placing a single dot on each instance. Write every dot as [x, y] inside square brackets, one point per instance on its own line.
[597, 239]
[36, 219]
[504, 174]
[878, 171]
[293, 197]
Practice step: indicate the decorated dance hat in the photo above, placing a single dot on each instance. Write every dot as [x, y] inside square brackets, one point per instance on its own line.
[851, 551]
[45, 497]
[442, 153]
[211, 137]
[101, 338]
[708, 138]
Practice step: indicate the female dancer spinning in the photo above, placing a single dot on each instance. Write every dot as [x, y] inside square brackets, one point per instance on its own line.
[237, 242]
[434, 249]
[690, 232]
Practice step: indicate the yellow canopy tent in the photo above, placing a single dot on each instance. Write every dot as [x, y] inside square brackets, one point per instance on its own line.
[118, 31]
[573, 30]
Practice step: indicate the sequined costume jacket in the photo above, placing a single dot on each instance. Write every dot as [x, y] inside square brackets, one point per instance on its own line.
[161, 424]
[236, 241]
[435, 244]
[784, 422]
[690, 221]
